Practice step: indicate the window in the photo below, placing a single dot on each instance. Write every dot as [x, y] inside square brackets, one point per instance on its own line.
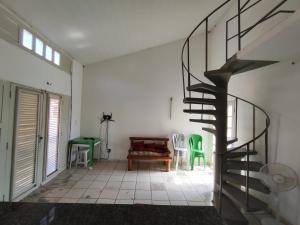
[231, 119]
[27, 39]
[39, 47]
[56, 58]
[48, 53]
[230, 122]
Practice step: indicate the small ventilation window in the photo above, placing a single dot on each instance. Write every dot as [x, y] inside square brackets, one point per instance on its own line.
[27, 39]
[39, 47]
[48, 53]
[56, 58]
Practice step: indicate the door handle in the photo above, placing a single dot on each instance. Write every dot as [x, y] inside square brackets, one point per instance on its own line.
[40, 138]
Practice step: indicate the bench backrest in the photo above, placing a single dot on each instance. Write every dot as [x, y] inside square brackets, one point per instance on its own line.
[149, 144]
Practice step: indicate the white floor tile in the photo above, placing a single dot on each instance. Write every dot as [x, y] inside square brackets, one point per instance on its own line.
[159, 195]
[102, 178]
[145, 202]
[98, 185]
[146, 184]
[92, 193]
[128, 185]
[126, 194]
[49, 200]
[75, 193]
[158, 186]
[87, 200]
[176, 195]
[155, 174]
[109, 194]
[193, 196]
[156, 202]
[94, 171]
[200, 203]
[105, 201]
[89, 177]
[179, 203]
[113, 185]
[116, 178]
[56, 193]
[143, 178]
[124, 202]
[75, 177]
[142, 195]
[129, 178]
[68, 200]
[143, 186]
[131, 173]
[157, 179]
[83, 184]
[173, 187]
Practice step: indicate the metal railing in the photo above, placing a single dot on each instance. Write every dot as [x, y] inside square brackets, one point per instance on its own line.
[186, 71]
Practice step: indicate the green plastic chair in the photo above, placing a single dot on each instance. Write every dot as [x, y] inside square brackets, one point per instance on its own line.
[196, 150]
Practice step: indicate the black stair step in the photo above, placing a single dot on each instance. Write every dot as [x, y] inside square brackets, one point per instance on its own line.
[200, 111]
[213, 131]
[210, 130]
[239, 198]
[217, 76]
[254, 183]
[205, 88]
[230, 213]
[213, 122]
[231, 141]
[242, 165]
[237, 66]
[239, 153]
[205, 101]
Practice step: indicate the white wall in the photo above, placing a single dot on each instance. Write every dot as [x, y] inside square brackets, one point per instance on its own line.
[276, 89]
[136, 88]
[20, 66]
[77, 72]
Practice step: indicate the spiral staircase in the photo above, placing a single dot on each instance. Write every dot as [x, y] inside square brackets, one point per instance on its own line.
[234, 167]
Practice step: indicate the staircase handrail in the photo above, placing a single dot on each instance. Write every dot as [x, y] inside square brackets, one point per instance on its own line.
[186, 68]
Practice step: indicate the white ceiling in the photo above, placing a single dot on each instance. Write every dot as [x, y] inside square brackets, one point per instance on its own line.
[96, 30]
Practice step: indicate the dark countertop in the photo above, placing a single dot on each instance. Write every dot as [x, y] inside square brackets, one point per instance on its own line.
[93, 214]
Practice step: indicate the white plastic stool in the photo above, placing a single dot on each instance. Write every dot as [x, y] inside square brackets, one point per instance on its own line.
[83, 156]
[73, 157]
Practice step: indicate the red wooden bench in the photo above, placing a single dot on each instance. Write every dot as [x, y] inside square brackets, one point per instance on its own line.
[149, 148]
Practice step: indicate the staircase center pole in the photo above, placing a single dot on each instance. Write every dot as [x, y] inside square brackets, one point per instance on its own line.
[221, 135]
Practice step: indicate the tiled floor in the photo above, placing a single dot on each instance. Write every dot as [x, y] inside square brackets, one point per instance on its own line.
[110, 183]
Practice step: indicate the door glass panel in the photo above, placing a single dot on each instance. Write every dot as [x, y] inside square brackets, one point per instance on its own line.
[53, 134]
[230, 110]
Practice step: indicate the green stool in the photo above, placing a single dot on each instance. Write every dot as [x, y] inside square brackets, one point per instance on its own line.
[196, 151]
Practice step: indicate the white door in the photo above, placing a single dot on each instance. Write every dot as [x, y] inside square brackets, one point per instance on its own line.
[52, 136]
[27, 119]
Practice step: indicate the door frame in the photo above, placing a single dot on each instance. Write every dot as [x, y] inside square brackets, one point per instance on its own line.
[16, 88]
[41, 147]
